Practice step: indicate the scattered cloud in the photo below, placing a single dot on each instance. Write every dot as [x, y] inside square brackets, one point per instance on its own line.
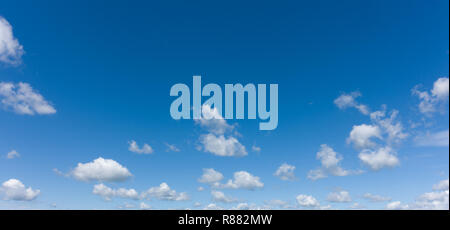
[376, 198]
[361, 135]
[164, 192]
[438, 139]
[213, 121]
[12, 154]
[222, 146]
[256, 149]
[307, 201]
[102, 170]
[11, 50]
[22, 99]
[134, 147]
[210, 176]
[108, 193]
[339, 197]
[349, 101]
[285, 172]
[14, 189]
[243, 180]
[430, 100]
[380, 158]
[171, 148]
[219, 196]
[330, 162]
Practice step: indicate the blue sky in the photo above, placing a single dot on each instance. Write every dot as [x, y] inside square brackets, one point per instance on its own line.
[100, 74]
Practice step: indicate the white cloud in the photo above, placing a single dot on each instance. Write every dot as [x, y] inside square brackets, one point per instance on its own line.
[172, 148]
[436, 200]
[103, 170]
[14, 189]
[12, 154]
[243, 180]
[219, 196]
[307, 201]
[330, 162]
[134, 147]
[144, 206]
[361, 135]
[430, 100]
[380, 158]
[391, 127]
[285, 172]
[221, 146]
[22, 99]
[439, 139]
[107, 193]
[256, 149]
[440, 88]
[441, 186]
[213, 121]
[212, 206]
[210, 176]
[339, 197]
[376, 198]
[164, 192]
[357, 206]
[348, 101]
[11, 50]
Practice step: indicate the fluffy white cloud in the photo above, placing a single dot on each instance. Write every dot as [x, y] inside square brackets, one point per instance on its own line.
[396, 205]
[376, 198]
[243, 180]
[213, 121]
[164, 192]
[22, 99]
[430, 100]
[104, 170]
[441, 186]
[221, 146]
[361, 135]
[219, 196]
[330, 162]
[11, 50]
[349, 101]
[434, 139]
[285, 172]
[107, 193]
[380, 158]
[389, 125]
[134, 147]
[307, 201]
[14, 189]
[339, 197]
[210, 176]
[12, 154]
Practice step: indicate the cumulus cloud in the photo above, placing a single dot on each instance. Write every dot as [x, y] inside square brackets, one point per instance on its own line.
[14, 189]
[435, 200]
[22, 99]
[243, 180]
[134, 147]
[222, 146]
[285, 172]
[103, 170]
[339, 197]
[390, 126]
[164, 192]
[361, 135]
[210, 176]
[380, 158]
[439, 139]
[11, 50]
[430, 100]
[307, 201]
[330, 162]
[376, 198]
[349, 101]
[108, 193]
[219, 196]
[213, 121]
[12, 154]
